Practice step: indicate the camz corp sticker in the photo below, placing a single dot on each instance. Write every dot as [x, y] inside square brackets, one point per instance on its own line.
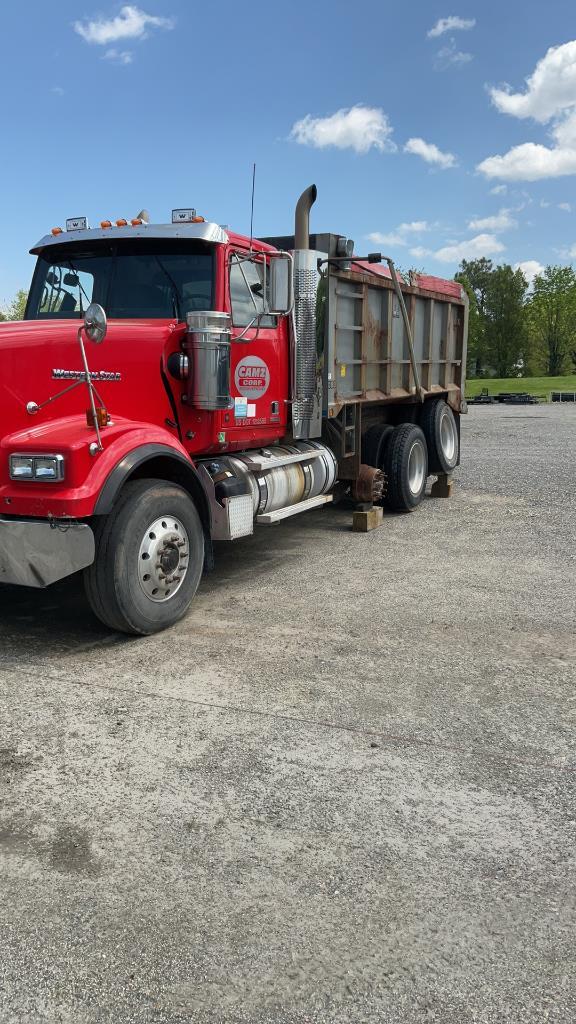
[252, 378]
[80, 375]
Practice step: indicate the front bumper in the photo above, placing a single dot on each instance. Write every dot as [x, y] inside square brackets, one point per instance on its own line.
[36, 553]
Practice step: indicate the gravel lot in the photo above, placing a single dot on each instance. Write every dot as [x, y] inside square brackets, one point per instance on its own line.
[341, 791]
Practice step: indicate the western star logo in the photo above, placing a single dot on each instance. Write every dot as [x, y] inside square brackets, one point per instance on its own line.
[80, 375]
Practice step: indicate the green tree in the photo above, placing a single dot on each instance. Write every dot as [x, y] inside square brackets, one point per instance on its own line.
[506, 335]
[476, 275]
[552, 318]
[15, 310]
[474, 357]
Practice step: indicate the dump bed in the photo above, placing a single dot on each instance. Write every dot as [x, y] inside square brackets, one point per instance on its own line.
[367, 349]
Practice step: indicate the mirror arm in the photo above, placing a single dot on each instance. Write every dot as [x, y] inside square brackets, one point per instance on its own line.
[248, 288]
[242, 337]
[91, 390]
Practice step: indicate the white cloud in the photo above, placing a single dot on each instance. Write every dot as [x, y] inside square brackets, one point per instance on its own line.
[419, 252]
[565, 206]
[450, 24]
[414, 226]
[531, 162]
[499, 190]
[391, 239]
[551, 88]
[398, 236]
[530, 269]
[449, 57]
[359, 128]
[544, 204]
[130, 23]
[501, 221]
[430, 153]
[118, 56]
[57, 90]
[470, 249]
[550, 97]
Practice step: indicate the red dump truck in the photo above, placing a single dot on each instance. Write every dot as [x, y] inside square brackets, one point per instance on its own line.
[241, 381]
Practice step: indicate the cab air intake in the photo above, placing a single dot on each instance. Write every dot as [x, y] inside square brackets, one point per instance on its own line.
[207, 346]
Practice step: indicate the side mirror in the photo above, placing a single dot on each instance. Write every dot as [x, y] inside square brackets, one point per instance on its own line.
[95, 324]
[281, 288]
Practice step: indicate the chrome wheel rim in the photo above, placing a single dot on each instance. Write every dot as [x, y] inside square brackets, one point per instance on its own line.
[163, 559]
[448, 437]
[416, 467]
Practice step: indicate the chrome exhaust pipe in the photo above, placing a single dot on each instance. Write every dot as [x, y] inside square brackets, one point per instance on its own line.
[302, 217]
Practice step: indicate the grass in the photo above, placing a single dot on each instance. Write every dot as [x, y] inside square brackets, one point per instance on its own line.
[539, 386]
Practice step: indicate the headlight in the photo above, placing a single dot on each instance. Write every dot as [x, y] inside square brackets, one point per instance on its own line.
[40, 468]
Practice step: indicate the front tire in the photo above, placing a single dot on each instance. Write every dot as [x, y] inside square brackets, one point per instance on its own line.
[149, 559]
[405, 468]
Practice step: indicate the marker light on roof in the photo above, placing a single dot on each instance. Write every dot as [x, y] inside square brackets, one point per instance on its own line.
[56, 231]
[105, 223]
[136, 221]
[121, 223]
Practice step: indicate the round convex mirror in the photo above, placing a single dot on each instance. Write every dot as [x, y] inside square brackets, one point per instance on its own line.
[95, 323]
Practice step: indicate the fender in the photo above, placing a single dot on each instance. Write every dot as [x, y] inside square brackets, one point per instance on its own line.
[125, 468]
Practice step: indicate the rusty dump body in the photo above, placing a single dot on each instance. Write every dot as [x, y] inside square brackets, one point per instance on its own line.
[377, 359]
[367, 354]
[384, 354]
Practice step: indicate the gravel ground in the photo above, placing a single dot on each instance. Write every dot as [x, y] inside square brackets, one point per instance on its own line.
[342, 790]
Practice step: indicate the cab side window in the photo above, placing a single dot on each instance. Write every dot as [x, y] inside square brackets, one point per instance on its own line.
[246, 293]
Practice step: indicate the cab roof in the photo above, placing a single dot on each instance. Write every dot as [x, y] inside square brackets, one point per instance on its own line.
[204, 232]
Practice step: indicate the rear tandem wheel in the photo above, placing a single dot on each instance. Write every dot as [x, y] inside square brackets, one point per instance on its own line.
[406, 468]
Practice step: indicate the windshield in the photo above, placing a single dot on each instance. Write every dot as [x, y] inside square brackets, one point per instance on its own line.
[154, 279]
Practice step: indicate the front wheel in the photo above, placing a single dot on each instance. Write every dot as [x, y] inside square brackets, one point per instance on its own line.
[149, 559]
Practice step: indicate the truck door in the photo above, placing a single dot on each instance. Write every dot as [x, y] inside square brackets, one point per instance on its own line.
[260, 360]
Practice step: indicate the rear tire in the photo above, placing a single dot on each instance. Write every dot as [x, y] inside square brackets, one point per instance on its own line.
[374, 444]
[439, 425]
[406, 468]
[149, 559]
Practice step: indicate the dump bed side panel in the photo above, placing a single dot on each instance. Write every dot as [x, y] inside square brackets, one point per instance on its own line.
[367, 351]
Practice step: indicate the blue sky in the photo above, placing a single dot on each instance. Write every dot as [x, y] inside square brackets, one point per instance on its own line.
[433, 131]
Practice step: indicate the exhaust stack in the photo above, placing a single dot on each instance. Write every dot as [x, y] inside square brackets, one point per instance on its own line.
[306, 384]
[302, 218]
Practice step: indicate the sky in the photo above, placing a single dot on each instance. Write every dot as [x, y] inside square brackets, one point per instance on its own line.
[435, 132]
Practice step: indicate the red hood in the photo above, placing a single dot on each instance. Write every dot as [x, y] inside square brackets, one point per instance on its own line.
[39, 358]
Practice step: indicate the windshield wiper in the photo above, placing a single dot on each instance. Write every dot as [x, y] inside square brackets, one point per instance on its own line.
[175, 296]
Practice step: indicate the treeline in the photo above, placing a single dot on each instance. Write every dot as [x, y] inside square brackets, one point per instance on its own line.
[517, 332]
[15, 309]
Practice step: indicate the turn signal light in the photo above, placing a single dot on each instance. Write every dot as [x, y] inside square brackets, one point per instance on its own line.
[105, 223]
[101, 416]
[121, 223]
[56, 231]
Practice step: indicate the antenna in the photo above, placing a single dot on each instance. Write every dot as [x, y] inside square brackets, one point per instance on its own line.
[252, 206]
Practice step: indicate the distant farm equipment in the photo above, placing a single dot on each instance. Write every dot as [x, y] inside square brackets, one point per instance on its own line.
[504, 398]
